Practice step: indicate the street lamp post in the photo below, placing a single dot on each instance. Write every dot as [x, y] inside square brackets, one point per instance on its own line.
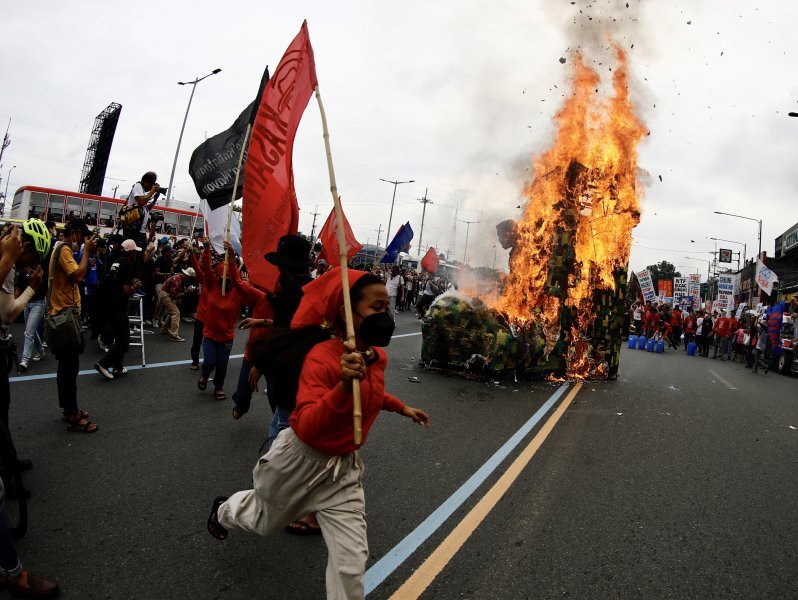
[759, 252]
[183, 128]
[395, 185]
[468, 228]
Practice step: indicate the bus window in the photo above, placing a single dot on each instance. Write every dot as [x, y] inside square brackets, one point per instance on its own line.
[170, 223]
[90, 208]
[74, 207]
[17, 201]
[199, 228]
[38, 202]
[55, 208]
[107, 214]
[184, 225]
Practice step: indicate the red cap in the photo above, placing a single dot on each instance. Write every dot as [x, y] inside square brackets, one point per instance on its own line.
[323, 298]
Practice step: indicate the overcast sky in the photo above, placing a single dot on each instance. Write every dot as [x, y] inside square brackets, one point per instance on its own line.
[458, 96]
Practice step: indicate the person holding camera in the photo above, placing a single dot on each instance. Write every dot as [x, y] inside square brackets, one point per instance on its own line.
[135, 217]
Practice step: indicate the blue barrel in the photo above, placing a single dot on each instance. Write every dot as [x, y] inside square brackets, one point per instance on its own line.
[660, 347]
[641, 342]
[691, 349]
[632, 342]
[650, 345]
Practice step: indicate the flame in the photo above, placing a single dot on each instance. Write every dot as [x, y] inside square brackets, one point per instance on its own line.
[576, 232]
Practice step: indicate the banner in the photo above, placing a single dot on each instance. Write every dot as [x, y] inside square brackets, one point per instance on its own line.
[694, 289]
[399, 243]
[270, 205]
[329, 240]
[765, 278]
[665, 288]
[725, 301]
[681, 293]
[213, 163]
[431, 261]
[646, 285]
[216, 227]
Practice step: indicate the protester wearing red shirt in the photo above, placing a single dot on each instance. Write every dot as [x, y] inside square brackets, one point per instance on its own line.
[721, 331]
[676, 324]
[730, 339]
[689, 327]
[221, 314]
[314, 465]
[652, 321]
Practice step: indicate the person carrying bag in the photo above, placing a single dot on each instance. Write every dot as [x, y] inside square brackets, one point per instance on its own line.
[62, 329]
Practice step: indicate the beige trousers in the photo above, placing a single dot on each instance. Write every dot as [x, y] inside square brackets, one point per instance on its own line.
[292, 480]
[172, 313]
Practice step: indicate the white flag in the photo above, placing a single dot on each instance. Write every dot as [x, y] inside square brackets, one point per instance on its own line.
[216, 227]
[765, 278]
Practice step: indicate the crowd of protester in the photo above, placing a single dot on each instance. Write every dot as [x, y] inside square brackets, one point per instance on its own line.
[723, 336]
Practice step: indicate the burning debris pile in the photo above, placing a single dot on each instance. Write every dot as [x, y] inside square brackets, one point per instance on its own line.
[562, 302]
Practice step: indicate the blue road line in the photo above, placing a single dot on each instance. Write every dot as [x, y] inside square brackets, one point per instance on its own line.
[171, 363]
[384, 567]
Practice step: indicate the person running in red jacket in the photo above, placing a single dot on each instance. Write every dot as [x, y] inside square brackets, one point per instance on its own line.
[314, 465]
[221, 314]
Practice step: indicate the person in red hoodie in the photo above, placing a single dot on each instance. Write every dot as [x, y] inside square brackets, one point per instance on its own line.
[314, 466]
[221, 314]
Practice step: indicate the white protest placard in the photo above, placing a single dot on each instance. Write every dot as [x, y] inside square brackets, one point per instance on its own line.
[725, 301]
[694, 289]
[646, 285]
[681, 291]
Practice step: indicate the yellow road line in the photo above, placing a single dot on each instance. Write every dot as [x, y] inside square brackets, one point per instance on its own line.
[443, 554]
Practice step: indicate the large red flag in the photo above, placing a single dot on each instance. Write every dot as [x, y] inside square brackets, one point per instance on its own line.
[270, 208]
[329, 240]
[430, 261]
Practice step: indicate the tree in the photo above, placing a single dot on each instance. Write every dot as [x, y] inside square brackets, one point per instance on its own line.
[662, 270]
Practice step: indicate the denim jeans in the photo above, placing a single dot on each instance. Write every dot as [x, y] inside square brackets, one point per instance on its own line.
[280, 421]
[34, 321]
[242, 397]
[9, 561]
[215, 356]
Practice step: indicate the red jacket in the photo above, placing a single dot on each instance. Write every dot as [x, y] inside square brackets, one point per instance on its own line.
[222, 312]
[323, 415]
[261, 310]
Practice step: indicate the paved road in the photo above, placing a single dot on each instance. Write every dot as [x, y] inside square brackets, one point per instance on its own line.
[688, 492]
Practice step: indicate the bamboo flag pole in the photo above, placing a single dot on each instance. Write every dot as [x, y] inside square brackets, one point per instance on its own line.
[230, 212]
[339, 219]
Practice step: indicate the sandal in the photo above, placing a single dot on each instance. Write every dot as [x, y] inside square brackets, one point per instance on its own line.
[82, 414]
[237, 415]
[219, 394]
[214, 527]
[202, 384]
[299, 527]
[82, 425]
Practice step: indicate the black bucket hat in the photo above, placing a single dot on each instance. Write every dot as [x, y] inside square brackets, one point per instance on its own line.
[293, 251]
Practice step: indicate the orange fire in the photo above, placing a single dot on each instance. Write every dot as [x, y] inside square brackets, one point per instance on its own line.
[583, 202]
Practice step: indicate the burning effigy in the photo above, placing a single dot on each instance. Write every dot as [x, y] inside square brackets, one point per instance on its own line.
[559, 311]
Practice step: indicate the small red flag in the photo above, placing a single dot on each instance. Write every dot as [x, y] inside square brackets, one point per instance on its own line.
[430, 261]
[270, 208]
[329, 240]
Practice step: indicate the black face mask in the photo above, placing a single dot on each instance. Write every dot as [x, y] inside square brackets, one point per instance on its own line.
[377, 329]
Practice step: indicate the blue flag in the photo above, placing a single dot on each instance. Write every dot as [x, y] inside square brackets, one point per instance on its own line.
[399, 243]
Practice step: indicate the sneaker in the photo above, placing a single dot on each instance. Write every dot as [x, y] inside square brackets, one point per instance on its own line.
[176, 338]
[187, 320]
[44, 344]
[103, 371]
[103, 347]
[120, 372]
[148, 323]
[37, 357]
[23, 366]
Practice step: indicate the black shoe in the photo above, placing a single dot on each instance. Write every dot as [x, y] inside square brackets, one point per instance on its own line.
[24, 464]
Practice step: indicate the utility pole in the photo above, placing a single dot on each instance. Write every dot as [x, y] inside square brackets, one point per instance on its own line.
[6, 141]
[315, 214]
[393, 199]
[423, 201]
[116, 187]
[468, 228]
[453, 239]
[379, 233]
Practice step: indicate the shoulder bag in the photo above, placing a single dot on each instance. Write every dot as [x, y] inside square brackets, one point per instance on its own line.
[62, 330]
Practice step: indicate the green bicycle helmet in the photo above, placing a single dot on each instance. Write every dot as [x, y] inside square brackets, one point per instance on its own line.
[37, 231]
